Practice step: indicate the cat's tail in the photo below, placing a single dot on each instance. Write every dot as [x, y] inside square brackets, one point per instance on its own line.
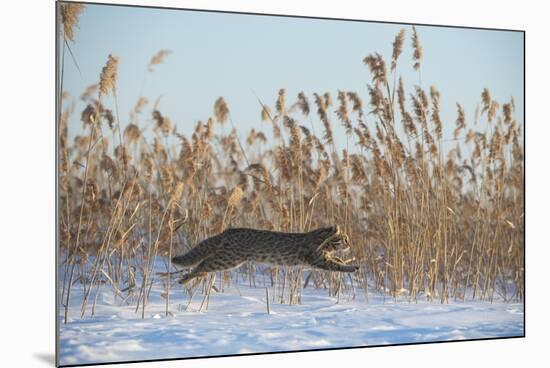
[202, 250]
[189, 259]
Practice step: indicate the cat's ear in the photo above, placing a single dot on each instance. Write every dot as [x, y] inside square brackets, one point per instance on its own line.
[325, 232]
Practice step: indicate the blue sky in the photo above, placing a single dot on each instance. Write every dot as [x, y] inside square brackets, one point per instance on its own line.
[238, 56]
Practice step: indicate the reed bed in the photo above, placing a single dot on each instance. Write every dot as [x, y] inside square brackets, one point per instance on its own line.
[428, 216]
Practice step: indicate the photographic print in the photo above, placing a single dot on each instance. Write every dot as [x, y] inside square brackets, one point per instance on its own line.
[233, 183]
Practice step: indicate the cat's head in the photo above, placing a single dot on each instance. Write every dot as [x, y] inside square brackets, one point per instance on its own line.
[331, 239]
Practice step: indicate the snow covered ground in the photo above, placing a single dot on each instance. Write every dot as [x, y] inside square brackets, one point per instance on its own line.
[236, 322]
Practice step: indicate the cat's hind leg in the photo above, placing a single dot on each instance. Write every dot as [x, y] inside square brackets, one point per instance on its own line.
[190, 276]
[220, 261]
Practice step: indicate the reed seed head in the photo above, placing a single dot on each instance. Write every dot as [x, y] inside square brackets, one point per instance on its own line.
[221, 111]
[108, 76]
[70, 15]
[158, 58]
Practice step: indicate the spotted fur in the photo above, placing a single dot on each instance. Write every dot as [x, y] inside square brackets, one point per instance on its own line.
[233, 247]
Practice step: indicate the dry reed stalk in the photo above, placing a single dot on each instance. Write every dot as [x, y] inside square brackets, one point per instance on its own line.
[79, 227]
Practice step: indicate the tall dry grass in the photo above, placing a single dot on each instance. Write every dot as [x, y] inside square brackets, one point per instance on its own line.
[424, 221]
